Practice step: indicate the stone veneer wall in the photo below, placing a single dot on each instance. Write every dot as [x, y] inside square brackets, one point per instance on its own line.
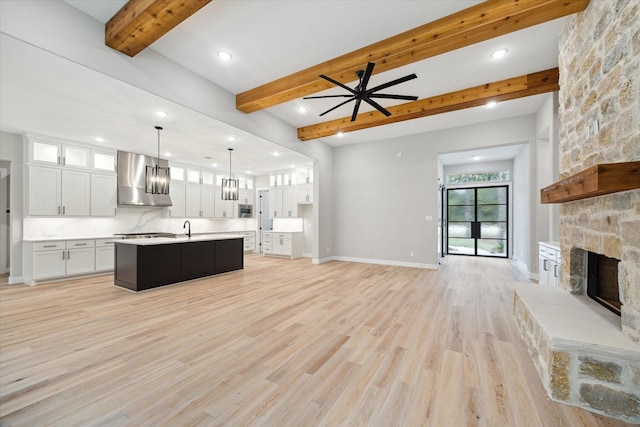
[600, 80]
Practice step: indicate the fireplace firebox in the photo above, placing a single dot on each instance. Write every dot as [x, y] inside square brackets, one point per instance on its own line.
[602, 281]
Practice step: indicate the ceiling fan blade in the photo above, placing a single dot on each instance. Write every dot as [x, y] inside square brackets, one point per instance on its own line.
[327, 96]
[366, 76]
[355, 110]
[339, 105]
[389, 96]
[376, 106]
[392, 83]
[337, 83]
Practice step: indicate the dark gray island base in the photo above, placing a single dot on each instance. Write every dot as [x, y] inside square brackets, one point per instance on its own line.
[142, 264]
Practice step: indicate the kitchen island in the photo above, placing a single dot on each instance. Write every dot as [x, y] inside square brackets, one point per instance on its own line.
[142, 264]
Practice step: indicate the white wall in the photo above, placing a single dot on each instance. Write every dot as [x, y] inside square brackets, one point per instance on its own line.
[524, 251]
[381, 200]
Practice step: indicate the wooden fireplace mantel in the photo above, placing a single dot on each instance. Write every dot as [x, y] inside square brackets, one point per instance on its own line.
[604, 178]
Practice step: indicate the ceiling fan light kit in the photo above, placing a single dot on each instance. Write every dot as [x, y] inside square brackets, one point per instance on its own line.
[361, 93]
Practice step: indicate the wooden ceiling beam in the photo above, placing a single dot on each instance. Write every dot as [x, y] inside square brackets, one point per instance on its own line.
[513, 88]
[476, 24]
[141, 22]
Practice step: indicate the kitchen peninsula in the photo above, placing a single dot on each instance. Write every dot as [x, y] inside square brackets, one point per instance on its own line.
[142, 264]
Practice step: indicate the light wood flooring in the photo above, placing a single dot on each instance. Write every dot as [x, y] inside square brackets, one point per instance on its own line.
[281, 343]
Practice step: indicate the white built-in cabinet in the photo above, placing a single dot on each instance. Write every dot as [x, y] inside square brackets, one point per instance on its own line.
[54, 192]
[287, 190]
[285, 244]
[223, 208]
[105, 255]
[47, 260]
[177, 192]
[549, 259]
[104, 199]
[69, 180]
[199, 201]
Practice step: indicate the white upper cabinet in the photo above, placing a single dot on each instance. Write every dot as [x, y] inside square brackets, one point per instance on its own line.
[304, 175]
[177, 173]
[104, 194]
[193, 176]
[104, 161]
[58, 154]
[54, 192]
[177, 192]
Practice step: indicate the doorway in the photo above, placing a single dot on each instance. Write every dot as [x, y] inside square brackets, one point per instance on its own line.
[5, 216]
[264, 222]
[478, 221]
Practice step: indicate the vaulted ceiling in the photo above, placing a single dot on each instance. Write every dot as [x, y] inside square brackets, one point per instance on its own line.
[141, 22]
[279, 47]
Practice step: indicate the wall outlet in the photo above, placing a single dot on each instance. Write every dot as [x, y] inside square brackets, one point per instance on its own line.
[428, 218]
[411, 254]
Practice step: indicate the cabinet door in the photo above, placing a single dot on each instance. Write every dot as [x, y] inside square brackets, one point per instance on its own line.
[284, 247]
[246, 197]
[76, 157]
[76, 193]
[47, 264]
[103, 161]
[44, 191]
[193, 176]
[104, 195]
[206, 202]
[207, 178]
[554, 272]
[177, 193]
[223, 208]
[289, 203]
[81, 261]
[543, 268]
[275, 203]
[192, 197]
[105, 258]
[305, 193]
[44, 152]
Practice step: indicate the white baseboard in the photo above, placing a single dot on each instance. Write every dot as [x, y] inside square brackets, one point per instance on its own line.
[386, 262]
[13, 280]
[321, 260]
[525, 269]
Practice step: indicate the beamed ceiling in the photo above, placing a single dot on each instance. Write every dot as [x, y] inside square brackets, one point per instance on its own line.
[140, 23]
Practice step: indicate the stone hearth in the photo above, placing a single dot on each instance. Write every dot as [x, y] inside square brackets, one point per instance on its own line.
[579, 350]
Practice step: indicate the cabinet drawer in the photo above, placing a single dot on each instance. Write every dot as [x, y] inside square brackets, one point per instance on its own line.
[267, 234]
[77, 244]
[266, 241]
[282, 235]
[105, 242]
[48, 246]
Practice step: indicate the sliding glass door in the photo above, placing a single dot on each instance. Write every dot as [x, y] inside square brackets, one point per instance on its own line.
[478, 221]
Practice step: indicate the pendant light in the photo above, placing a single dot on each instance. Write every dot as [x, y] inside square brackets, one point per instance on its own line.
[230, 186]
[157, 177]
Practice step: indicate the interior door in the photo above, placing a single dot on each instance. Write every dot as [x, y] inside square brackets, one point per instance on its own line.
[478, 221]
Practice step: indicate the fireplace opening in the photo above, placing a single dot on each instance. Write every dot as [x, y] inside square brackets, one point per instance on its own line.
[602, 281]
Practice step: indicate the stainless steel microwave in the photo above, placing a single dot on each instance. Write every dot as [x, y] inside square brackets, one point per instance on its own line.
[245, 211]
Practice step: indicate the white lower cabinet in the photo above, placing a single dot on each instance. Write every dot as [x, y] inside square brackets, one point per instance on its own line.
[289, 245]
[59, 259]
[249, 240]
[549, 264]
[105, 254]
[81, 257]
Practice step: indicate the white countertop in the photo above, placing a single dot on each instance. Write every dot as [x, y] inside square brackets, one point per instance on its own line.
[555, 245]
[58, 238]
[118, 238]
[179, 239]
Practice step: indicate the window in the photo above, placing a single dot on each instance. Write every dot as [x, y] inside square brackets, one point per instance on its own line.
[465, 178]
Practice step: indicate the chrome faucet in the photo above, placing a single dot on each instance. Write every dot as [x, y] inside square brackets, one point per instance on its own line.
[189, 230]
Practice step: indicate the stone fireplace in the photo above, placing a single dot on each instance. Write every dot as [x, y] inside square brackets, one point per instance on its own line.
[585, 354]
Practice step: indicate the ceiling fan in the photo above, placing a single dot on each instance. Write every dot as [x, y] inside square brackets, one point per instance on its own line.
[361, 93]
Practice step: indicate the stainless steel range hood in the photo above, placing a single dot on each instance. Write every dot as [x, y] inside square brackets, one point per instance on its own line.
[131, 181]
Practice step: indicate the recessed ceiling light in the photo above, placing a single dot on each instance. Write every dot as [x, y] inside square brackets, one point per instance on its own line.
[224, 55]
[231, 138]
[162, 114]
[292, 166]
[302, 109]
[276, 154]
[214, 165]
[500, 53]
[249, 171]
[491, 104]
[99, 139]
[167, 154]
[476, 158]
[340, 134]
